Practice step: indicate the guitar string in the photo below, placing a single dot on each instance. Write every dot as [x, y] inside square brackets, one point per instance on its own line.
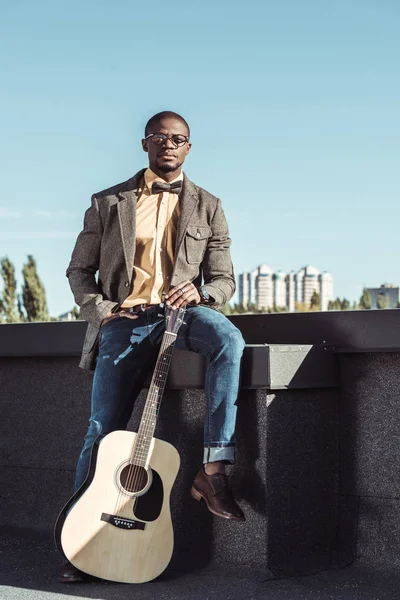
[153, 400]
[134, 470]
[152, 407]
[151, 411]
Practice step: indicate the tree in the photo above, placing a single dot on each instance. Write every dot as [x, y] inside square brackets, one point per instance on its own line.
[33, 293]
[365, 300]
[252, 308]
[382, 301]
[339, 304]
[345, 304]
[315, 302]
[20, 311]
[8, 301]
[238, 309]
[335, 304]
[280, 309]
[76, 313]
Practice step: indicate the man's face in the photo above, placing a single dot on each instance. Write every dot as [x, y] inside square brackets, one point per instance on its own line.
[167, 157]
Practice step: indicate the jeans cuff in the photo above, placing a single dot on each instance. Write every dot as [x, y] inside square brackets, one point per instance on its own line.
[215, 453]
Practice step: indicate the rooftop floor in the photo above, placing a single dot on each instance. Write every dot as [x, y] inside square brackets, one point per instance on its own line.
[28, 571]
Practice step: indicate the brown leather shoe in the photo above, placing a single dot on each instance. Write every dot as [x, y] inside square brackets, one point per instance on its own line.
[70, 574]
[215, 490]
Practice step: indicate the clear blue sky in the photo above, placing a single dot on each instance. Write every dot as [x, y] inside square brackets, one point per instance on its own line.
[293, 106]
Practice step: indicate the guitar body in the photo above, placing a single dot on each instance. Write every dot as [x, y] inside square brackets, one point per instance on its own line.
[120, 529]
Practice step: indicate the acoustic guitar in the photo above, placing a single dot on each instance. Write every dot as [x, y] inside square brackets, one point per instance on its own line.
[118, 526]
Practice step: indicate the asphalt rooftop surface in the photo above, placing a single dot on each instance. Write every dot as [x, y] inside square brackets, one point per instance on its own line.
[29, 568]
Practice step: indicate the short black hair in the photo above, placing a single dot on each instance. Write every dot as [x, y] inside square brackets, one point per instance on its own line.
[165, 114]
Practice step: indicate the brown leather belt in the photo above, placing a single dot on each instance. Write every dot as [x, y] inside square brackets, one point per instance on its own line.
[138, 308]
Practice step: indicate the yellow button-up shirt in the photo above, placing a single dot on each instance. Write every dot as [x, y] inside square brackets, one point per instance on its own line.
[156, 224]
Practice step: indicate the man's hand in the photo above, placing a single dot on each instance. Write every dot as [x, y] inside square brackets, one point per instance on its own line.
[122, 313]
[182, 294]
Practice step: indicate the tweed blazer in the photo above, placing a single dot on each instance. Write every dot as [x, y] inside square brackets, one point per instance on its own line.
[106, 247]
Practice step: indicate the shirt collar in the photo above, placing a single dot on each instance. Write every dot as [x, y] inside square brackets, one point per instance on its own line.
[150, 177]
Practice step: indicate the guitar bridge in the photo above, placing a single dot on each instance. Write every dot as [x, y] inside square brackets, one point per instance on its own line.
[122, 522]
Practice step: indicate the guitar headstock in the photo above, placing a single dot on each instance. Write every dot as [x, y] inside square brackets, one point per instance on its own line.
[173, 318]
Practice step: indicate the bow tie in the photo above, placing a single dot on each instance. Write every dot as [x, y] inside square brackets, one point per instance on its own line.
[159, 187]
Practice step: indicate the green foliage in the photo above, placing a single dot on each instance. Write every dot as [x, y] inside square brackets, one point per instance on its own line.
[382, 301]
[345, 304]
[226, 309]
[20, 311]
[240, 309]
[365, 300]
[339, 304]
[8, 310]
[315, 302]
[76, 313]
[33, 293]
[280, 309]
[335, 304]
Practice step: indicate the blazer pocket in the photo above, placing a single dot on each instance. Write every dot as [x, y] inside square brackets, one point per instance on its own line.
[196, 242]
[92, 334]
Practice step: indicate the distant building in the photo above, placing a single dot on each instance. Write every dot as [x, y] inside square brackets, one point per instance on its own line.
[326, 289]
[266, 288]
[244, 288]
[290, 291]
[307, 283]
[68, 316]
[253, 286]
[386, 296]
[279, 290]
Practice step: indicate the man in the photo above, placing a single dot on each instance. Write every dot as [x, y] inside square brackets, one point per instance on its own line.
[153, 239]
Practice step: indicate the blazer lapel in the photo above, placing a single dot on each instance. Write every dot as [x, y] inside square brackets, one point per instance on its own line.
[188, 201]
[127, 219]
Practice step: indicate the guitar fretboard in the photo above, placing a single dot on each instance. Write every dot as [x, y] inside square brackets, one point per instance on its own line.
[140, 453]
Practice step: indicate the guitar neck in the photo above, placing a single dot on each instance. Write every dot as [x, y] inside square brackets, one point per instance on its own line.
[153, 400]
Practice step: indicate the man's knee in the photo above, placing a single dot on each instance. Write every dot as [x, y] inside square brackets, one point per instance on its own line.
[236, 339]
[232, 340]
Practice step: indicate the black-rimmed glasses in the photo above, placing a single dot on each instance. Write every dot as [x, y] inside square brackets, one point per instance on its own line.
[160, 138]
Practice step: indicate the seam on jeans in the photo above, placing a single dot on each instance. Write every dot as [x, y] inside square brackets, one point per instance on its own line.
[190, 337]
[208, 394]
[209, 413]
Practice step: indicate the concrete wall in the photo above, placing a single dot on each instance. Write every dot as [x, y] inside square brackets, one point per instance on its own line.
[318, 452]
[369, 410]
[286, 477]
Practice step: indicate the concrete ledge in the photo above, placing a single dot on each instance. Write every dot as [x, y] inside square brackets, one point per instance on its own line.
[349, 330]
[265, 366]
[352, 330]
[272, 367]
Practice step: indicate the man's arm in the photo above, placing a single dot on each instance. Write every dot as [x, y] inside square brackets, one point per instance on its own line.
[82, 269]
[217, 265]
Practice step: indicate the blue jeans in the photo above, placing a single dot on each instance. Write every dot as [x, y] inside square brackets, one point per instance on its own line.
[128, 350]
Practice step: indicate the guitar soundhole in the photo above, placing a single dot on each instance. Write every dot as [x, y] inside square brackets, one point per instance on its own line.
[134, 478]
